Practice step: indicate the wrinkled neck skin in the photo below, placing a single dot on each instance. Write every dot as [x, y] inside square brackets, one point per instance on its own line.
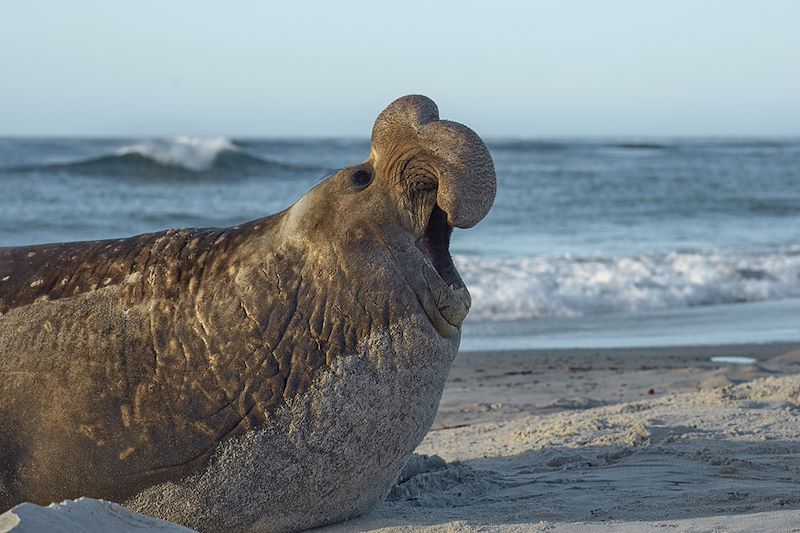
[381, 272]
[336, 282]
[366, 367]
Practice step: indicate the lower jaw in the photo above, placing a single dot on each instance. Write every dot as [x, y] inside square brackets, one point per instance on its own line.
[446, 308]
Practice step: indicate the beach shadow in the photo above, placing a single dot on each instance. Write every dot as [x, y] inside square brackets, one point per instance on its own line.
[680, 472]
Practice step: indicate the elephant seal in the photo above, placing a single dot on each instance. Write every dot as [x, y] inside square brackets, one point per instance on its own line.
[271, 376]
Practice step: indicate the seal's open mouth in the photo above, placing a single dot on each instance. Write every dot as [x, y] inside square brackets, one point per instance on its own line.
[450, 293]
[435, 245]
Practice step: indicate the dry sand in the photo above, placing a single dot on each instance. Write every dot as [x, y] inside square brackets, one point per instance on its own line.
[607, 440]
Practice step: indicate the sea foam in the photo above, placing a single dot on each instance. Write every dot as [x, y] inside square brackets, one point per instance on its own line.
[571, 286]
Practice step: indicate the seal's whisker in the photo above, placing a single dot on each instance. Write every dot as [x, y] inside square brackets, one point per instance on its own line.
[329, 174]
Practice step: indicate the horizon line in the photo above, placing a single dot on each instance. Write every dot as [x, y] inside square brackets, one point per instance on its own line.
[489, 137]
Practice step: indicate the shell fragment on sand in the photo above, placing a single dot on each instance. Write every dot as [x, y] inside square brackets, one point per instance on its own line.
[733, 360]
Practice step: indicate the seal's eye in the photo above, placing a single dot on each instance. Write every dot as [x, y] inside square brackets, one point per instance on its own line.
[361, 177]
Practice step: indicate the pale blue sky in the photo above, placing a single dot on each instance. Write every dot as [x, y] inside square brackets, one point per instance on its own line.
[326, 68]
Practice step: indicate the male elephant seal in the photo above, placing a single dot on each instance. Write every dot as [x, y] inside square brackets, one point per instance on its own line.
[270, 376]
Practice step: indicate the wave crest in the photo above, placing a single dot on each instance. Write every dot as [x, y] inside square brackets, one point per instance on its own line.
[569, 286]
[190, 153]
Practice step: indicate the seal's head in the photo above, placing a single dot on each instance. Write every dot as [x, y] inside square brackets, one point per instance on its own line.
[424, 177]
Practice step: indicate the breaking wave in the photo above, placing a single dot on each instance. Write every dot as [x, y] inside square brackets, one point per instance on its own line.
[571, 286]
[179, 155]
[189, 153]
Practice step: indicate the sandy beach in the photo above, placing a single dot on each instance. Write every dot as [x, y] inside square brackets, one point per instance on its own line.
[607, 440]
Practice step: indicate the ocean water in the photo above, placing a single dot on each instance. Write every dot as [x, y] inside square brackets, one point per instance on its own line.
[591, 242]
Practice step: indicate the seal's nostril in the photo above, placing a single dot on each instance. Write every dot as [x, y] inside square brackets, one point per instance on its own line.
[462, 164]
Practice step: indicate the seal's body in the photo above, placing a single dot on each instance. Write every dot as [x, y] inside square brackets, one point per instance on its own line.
[275, 375]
